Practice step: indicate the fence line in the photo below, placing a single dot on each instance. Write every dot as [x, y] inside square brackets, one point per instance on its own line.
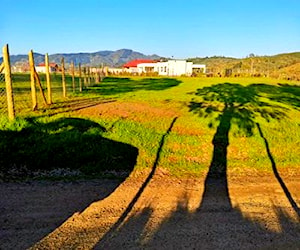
[21, 93]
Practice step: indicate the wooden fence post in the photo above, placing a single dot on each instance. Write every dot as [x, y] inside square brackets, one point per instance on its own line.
[84, 77]
[48, 79]
[33, 89]
[97, 77]
[9, 90]
[73, 75]
[89, 75]
[63, 78]
[38, 81]
[80, 80]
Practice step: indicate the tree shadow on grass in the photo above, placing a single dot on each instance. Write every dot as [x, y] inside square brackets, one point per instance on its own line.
[240, 105]
[116, 85]
[71, 143]
[67, 144]
[217, 223]
[283, 93]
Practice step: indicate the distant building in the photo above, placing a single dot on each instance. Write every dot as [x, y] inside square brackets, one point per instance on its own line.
[165, 68]
[41, 68]
[131, 66]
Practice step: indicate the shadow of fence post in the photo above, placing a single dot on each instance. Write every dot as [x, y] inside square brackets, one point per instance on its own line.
[277, 175]
[130, 206]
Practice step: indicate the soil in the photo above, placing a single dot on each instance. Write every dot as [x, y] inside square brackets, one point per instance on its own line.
[151, 212]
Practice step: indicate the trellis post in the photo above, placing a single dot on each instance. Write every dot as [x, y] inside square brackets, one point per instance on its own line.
[8, 81]
[48, 79]
[32, 85]
[63, 78]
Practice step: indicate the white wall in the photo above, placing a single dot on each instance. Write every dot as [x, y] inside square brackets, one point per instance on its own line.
[175, 68]
[131, 70]
[142, 67]
[189, 68]
[42, 69]
[163, 68]
[170, 68]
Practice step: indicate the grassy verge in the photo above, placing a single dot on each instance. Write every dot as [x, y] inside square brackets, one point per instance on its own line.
[122, 122]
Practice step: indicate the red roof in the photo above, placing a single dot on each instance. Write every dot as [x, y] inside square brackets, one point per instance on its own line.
[54, 65]
[135, 62]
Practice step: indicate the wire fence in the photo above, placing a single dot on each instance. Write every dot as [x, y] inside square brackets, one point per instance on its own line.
[3, 99]
[41, 86]
[21, 92]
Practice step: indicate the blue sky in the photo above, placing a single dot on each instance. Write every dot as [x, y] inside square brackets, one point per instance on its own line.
[178, 28]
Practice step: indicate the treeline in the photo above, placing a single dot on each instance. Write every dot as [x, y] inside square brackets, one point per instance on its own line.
[283, 66]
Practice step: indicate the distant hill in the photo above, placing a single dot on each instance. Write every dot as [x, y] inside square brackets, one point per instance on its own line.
[108, 58]
[286, 66]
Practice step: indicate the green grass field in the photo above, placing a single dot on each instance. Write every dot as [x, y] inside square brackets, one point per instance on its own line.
[184, 126]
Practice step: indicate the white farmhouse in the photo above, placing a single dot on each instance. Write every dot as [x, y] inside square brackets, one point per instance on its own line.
[41, 68]
[170, 68]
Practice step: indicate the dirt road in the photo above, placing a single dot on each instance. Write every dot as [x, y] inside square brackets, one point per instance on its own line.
[151, 212]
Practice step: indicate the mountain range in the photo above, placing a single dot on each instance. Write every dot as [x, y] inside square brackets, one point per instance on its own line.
[108, 58]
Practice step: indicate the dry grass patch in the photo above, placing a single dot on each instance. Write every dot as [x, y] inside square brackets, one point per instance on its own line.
[136, 111]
